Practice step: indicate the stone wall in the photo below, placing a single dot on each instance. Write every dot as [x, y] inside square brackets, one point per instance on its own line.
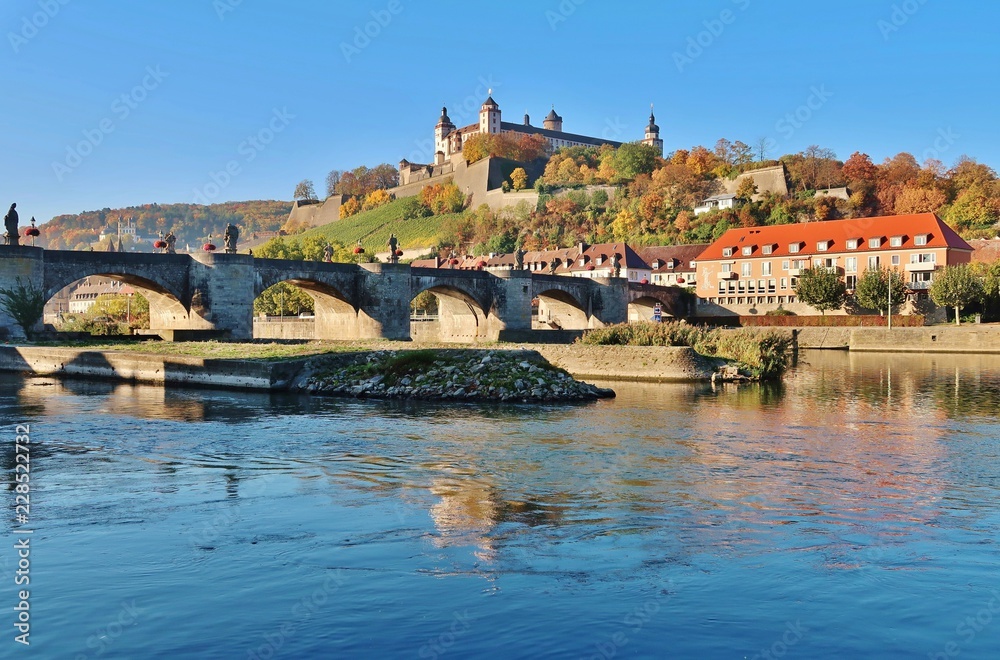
[643, 363]
[140, 367]
[970, 338]
[291, 328]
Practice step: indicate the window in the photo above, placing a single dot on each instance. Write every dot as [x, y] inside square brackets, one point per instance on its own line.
[747, 250]
[781, 299]
[873, 262]
[800, 264]
[795, 282]
[794, 247]
[765, 268]
[760, 286]
[741, 287]
[747, 269]
[771, 286]
[926, 258]
[852, 282]
[727, 252]
[727, 268]
[750, 287]
[852, 244]
[874, 242]
[784, 265]
[767, 249]
[823, 246]
[920, 239]
[895, 260]
[896, 241]
[851, 265]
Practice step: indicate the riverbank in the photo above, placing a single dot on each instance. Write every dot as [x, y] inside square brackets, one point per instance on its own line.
[969, 338]
[499, 374]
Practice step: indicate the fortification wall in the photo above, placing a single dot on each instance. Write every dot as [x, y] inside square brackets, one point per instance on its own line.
[767, 180]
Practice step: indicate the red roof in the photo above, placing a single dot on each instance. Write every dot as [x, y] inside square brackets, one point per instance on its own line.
[837, 232]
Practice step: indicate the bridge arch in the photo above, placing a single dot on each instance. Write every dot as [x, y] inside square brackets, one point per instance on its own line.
[559, 309]
[167, 307]
[643, 299]
[461, 316]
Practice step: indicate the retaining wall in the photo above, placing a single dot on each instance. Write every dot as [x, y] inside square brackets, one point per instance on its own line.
[145, 368]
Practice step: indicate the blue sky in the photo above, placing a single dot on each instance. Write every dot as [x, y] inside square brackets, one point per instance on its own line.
[108, 104]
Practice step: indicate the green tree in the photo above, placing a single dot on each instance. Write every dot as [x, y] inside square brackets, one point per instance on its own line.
[872, 291]
[957, 286]
[283, 299]
[633, 159]
[822, 289]
[24, 302]
[305, 190]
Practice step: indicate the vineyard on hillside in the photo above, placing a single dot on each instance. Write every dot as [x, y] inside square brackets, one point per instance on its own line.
[373, 228]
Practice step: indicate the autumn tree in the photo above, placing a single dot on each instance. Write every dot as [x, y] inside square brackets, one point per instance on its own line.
[519, 179]
[305, 190]
[822, 289]
[747, 188]
[375, 199]
[332, 179]
[914, 199]
[957, 287]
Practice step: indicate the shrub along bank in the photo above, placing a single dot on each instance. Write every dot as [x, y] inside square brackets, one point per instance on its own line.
[760, 354]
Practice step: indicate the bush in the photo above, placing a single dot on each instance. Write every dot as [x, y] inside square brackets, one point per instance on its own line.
[758, 353]
[779, 312]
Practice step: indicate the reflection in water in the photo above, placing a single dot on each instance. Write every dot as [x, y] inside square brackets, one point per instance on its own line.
[862, 489]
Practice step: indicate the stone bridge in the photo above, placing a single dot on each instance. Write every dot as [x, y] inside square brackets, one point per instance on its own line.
[214, 293]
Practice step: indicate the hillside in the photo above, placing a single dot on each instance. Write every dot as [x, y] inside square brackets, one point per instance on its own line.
[373, 227]
[191, 223]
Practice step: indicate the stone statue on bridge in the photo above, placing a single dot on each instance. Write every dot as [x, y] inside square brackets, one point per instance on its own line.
[552, 266]
[519, 259]
[171, 242]
[393, 248]
[231, 237]
[10, 223]
[328, 253]
[616, 265]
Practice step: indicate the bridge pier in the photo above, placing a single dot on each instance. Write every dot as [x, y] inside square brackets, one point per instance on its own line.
[384, 302]
[511, 303]
[222, 293]
[24, 263]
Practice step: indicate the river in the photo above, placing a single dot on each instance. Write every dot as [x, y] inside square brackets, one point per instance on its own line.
[852, 511]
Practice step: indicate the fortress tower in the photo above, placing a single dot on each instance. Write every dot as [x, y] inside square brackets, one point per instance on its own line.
[443, 129]
[489, 116]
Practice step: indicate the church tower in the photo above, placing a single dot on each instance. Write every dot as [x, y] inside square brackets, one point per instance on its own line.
[653, 133]
[489, 116]
[443, 129]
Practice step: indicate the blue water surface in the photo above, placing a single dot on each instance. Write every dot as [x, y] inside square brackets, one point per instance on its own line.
[851, 512]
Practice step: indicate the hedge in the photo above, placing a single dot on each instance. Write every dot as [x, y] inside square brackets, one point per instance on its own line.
[912, 321]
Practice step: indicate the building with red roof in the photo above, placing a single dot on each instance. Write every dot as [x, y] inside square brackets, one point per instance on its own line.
[754, 270]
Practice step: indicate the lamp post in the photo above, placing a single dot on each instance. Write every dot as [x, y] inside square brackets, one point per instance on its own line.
[889, 287]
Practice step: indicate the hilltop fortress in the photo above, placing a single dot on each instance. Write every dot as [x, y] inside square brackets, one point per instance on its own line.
[449, 139]
[483, 179]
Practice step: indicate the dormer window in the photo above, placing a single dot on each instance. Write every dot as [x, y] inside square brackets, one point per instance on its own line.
[727, 252]
[794, 247]
[823, 246]
[747, 250]
[656, 265]
[875, 242]
[920, 239]
[896, 241]
[767, 249]
[852, 243]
